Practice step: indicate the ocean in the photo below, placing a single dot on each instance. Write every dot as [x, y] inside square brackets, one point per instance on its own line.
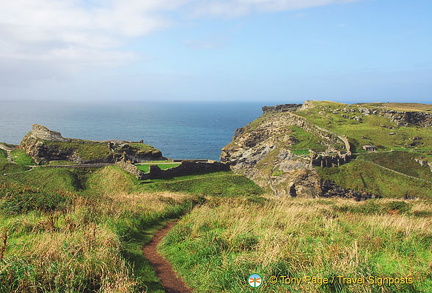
[187, 130]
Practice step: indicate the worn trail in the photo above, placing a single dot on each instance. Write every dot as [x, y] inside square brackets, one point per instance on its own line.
[170, 282]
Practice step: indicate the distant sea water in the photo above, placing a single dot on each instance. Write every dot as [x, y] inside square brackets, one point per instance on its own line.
[180, 130]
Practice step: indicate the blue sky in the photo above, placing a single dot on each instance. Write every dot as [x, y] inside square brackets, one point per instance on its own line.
[226, 50]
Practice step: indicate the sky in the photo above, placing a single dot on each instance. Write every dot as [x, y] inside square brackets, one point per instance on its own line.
[216, 50]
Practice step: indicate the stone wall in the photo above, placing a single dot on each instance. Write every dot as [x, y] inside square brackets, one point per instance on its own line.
[130, 168]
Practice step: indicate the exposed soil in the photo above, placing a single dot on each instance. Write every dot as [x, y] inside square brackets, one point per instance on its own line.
[170, 282]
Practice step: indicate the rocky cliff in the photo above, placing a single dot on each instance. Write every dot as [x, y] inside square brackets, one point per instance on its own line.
[45, 145]
[282, 149]
[266, 152]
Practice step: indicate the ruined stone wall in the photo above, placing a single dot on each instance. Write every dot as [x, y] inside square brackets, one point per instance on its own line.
[130, 168]
[335, 160]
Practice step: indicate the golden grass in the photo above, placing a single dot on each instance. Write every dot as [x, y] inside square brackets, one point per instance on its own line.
[309, 237]
[78, 249]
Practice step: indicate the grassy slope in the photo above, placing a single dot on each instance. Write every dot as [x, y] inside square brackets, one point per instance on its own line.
[62, 239]
[362, 175]
[369, 130]
[86, 150]
[20, 157]
[219, 245]
[365, 176]
[6, 167]
[400, 161]
[83, 230]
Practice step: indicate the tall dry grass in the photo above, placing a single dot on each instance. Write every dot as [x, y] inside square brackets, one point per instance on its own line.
[222, 244]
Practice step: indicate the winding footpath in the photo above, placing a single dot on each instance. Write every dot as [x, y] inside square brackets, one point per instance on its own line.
[170, 282]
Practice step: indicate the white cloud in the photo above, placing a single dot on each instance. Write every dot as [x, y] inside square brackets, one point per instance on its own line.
[45, 38]
[72, 35]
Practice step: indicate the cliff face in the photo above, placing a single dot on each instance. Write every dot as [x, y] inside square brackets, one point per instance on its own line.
[45, 145]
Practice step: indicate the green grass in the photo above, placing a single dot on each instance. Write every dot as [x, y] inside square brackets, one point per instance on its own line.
[216, 247]
[365, 176]
[145, 167]
[402, 106]
[3, 157]
[215, 184]
[306, 141]
[400, 161]
[20, 157]
[83, 230]
[51, 180]
[145, 148]
[80, 230]
[372, 129]
[301, 152]
[86, 150]
[6, 167]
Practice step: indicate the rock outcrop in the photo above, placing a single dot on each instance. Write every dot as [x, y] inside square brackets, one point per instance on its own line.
[45, 145]
[404, 118]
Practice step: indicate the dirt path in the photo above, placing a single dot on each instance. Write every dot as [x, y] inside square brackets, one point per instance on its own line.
[164, 271]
